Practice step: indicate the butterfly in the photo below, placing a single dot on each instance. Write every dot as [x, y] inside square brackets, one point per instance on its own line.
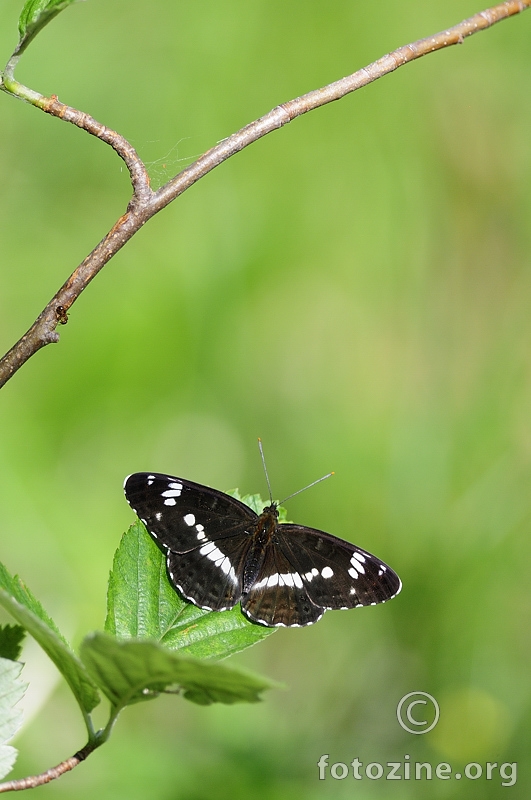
[219, 552]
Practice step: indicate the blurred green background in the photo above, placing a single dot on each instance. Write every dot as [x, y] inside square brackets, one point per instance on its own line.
[354, 289]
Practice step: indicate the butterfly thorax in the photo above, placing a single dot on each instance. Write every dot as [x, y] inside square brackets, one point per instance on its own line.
[262, 535]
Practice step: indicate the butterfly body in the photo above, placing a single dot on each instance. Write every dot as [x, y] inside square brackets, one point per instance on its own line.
[262, 537]
[219, 552]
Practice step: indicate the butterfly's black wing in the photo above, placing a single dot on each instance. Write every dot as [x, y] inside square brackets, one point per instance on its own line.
[204, 533]
[306, 571]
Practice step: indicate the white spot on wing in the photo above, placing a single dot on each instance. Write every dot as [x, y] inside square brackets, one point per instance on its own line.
[232, 575]
[327, 572]
[225, 566]
[170, 493]
[353, 574]
[222, 561]
[216, 555]
[170, 501]
[189, 519]
[281, 579]
[356, 562]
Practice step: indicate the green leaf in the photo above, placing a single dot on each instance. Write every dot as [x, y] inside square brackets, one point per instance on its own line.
[35, 15]
[16, 598]
[142, 603]
[132, 671]
[213, 634]
[20, 592]
[11, 638]
[256, 502]
[12, 689]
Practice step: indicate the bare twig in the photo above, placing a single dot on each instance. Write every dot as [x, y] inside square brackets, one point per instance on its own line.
[145, 203]
[51, 105]
[51, 774]
[137, 170]
[286, 112]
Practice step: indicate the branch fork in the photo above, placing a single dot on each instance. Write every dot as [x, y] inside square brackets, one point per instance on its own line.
[145, 202]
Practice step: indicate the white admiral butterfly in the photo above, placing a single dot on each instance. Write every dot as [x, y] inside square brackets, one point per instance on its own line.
[220, 553]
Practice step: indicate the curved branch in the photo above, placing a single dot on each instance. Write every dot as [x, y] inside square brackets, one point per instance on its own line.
[145, 203]
[51, 105]
[137, 170]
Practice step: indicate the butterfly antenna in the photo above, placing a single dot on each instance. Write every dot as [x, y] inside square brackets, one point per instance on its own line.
[307, 487]
[265, 469]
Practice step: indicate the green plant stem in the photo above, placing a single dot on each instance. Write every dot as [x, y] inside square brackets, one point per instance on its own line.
[92, 734]
[11, 86]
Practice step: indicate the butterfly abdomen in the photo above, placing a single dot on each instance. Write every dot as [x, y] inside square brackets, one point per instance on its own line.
[262, 535]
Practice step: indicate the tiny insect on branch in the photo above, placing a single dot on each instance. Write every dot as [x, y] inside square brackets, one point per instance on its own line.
[145, 202]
